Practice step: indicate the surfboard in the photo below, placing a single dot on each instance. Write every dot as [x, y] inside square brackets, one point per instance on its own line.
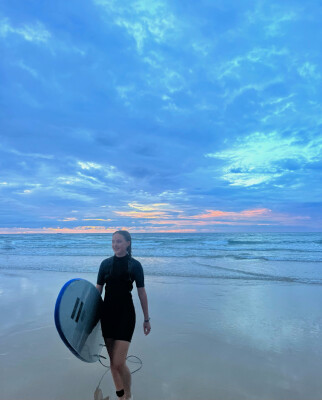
[77, 319]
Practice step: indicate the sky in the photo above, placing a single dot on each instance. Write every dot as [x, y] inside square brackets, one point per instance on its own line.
[160, 116]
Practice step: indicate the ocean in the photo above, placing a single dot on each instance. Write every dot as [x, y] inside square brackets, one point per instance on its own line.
[246, 257]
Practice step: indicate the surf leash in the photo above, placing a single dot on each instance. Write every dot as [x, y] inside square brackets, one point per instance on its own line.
[108, 367]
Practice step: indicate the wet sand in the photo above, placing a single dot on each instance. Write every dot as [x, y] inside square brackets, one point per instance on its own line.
[210, 339]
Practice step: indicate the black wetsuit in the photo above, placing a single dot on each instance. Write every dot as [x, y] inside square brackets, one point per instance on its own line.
[118, 313]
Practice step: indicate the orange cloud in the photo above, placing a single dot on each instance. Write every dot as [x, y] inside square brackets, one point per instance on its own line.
[93, 229]
[159, 221]
[78, 229]
[201, 223]
[223, 214]
[81, 229]
[247, 217]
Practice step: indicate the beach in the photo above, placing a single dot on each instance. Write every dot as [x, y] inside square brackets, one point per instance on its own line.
[211, 338]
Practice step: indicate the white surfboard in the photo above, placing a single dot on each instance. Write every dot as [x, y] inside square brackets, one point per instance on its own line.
[77, 319]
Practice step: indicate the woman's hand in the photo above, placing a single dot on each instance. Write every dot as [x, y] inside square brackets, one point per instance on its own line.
[146, 327]
[99, 288]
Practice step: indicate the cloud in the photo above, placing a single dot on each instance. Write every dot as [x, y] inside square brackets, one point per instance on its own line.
[106, 171]
[214, 218]
[143, 21]
[277, 26]
[234, 215]
[159, 211]
[148, 207]
[93, 229]
[260, 158]
[24, 154]
[96, 219]
[174, 194]
[89, 165]
[273, 18]
[242, 63]
[36, 32]
[262, 216]
[83, 182]
[254, 72]
[143, 215]
[134, 29]
[173, 81]
[309, 71]
[97, 177]
[31, 71]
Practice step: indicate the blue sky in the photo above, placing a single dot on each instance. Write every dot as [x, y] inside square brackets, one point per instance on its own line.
[160, 116]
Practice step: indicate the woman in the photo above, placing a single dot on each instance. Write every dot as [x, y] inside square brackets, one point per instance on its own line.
[118, 316]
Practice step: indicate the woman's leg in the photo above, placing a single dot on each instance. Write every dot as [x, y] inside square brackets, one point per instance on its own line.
[117, 378]
[120, 350]
[117, 350]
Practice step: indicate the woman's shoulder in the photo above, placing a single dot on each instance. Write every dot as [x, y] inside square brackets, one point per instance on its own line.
[135, 262]
[108, 261]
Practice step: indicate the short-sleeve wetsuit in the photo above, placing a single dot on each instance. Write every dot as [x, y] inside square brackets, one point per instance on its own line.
[118, 313]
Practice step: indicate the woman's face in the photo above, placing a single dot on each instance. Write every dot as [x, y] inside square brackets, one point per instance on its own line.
[119, 245]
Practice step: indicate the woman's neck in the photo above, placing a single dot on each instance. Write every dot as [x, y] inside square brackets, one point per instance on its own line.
[120, 256]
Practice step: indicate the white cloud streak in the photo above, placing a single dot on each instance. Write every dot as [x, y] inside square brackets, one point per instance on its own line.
[257, 158]
[35, 32]
[142, 20]
[23, 154]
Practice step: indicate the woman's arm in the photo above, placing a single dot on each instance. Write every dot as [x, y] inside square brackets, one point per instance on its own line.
[144, 303]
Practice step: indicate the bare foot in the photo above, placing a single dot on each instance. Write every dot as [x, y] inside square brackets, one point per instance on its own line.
[98, 395]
